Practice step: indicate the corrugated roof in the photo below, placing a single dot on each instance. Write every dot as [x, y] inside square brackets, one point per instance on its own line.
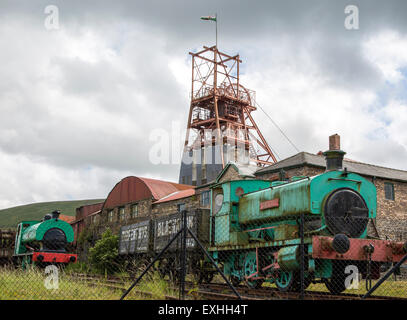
[177, 195]
[160, 189]
[132, 189]
[305, 158]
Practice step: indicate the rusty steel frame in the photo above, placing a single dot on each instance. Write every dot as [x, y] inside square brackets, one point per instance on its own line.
[384, 250]
[208, 89]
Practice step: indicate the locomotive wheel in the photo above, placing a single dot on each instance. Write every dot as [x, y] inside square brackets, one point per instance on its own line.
[201, 272]
[204, 277]
[250, 267]
[287, 281]
[291, 281]
[235, 281]
[336, 284]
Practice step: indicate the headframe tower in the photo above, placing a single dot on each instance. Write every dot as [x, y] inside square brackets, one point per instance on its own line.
[220, 126]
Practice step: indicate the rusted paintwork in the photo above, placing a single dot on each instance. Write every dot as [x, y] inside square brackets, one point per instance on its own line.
[306, 196]
[269, 204]
[384, 250]
[132, 189]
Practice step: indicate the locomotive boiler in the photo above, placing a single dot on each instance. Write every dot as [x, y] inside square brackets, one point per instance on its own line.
[44, 242]
[256, 225]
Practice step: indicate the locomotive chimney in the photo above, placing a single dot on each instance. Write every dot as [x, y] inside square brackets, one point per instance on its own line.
[334, 156]
[55, 214]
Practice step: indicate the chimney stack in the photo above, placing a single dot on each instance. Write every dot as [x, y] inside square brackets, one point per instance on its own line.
[334, 156]
[335, 142]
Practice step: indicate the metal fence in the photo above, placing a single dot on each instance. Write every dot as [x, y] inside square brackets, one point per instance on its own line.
[192, 255]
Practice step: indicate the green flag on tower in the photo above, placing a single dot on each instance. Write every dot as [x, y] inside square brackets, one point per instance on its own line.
[209, 18]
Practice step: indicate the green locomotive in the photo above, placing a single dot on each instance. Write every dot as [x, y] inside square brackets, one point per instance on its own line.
[44, 242]
[255, 233]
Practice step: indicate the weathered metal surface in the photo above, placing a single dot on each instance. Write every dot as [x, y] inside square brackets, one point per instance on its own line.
[288, 258]
[36, 232]
[167, 226]
[177, 195]
[53, 257]
[269, 204]
[384, 250]
[304, 196]
[135, 238]
[285, 231]
[293, 200]
[132, 189]
[228, 215]
[255, 245]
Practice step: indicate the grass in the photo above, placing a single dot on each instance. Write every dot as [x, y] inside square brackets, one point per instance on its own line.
[389, 288]
[29, 285]
[12, 216]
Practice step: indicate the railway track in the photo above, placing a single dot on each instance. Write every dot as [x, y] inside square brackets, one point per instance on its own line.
[219, 291]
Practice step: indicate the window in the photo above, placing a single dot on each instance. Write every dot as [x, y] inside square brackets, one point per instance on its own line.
[205, 198]
[389, 191]
[134, 211]
[110, 216]
[181, 207]
[122, 215]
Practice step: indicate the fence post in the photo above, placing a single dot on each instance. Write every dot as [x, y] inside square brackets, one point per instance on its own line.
[183, 255]
[150, 265]
[214, 263]
[302, 258]
[369, 293]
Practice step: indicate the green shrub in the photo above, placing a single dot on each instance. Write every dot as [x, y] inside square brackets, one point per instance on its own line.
[103, 257]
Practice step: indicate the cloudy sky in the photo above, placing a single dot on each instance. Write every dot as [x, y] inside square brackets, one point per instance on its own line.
[80, 104]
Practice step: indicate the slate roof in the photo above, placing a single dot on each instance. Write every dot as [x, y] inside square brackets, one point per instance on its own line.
[244, 170]
[305, 158]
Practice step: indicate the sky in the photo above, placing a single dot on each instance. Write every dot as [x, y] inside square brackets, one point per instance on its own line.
[81, 101]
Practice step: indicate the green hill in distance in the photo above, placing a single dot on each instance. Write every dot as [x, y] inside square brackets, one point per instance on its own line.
[10, 217]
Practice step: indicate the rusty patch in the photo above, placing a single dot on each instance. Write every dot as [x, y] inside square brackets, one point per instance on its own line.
[384, 250]
[269, 204]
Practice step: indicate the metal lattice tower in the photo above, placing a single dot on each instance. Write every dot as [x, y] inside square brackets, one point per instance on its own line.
[220, 116]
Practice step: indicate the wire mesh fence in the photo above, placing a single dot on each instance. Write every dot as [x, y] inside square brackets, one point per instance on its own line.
[211, 256]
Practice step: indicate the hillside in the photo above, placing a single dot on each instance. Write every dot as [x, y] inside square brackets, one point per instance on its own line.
[12, 216]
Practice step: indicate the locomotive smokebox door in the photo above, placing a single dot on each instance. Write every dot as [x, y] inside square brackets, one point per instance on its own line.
[346, 212]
